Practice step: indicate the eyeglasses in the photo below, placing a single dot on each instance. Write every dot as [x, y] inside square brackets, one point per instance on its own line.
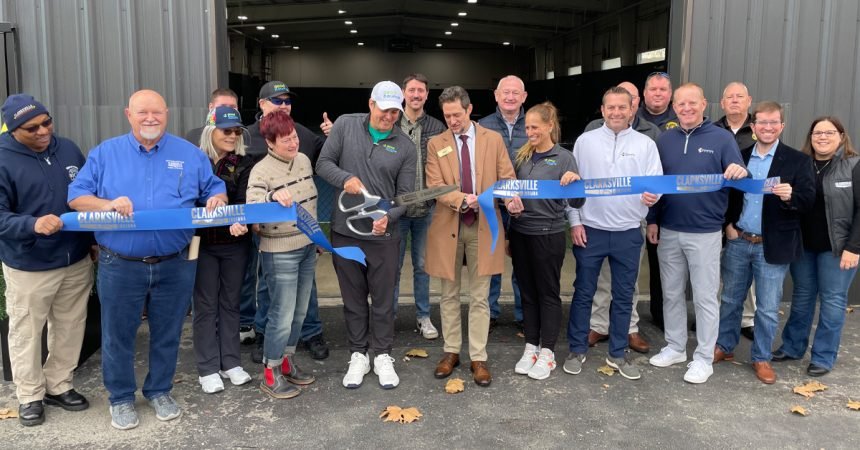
[233, 131]
[658, 74]
[34, 128]
[828, 133]
[768, 123]
[508, 92]
[277, 101]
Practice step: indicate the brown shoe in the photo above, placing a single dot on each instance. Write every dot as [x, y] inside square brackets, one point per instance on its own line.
[595, 337]
[638, 343]
[481, 374]
[720, 355]
[764, 372]
[447, 365]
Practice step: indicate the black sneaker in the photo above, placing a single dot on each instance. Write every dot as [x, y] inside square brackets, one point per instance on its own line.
[276, 385]
[247, 335]
[293, 374]
[317, 347]
[257, 352]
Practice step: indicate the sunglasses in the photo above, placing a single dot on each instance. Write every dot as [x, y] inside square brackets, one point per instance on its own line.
[34, 128]
[658, 74]
[277, 101]
[233, 131]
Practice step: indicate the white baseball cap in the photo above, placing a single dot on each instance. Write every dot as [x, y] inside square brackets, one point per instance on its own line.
[387, 95]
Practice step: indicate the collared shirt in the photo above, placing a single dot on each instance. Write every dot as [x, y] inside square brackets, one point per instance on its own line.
[511, 125]
[471, 142]
[173, 174]
[759, 166]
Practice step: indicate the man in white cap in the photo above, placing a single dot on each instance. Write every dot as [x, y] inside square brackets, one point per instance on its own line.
[366, 151]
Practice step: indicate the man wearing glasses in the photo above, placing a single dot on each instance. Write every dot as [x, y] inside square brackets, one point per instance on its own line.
[658, 101]
[48, 272]
[763, 238]
[274, 96]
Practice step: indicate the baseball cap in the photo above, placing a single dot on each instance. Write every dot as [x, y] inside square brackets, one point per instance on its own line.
[387, 95]
[18, 109]
[274, 89]
[224, 117]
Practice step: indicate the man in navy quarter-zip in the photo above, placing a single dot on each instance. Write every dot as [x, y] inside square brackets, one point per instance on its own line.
[48, 272]
[609, 227]
[690, 231]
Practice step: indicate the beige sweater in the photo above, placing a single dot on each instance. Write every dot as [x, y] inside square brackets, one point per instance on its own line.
[271, 174]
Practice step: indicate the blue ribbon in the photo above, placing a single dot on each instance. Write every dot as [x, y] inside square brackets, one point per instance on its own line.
[187, 218]
[601, 187]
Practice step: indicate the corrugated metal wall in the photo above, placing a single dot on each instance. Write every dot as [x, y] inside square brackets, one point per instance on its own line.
[803, 54]
[83, 58]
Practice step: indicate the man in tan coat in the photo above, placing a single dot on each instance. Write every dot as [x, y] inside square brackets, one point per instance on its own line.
[473, 158]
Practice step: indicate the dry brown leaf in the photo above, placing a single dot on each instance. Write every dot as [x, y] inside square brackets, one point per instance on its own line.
[391, 414]
[781, 312]
[410, 415]
[397, 414]
[797, 409]
[454, 385]
[849, 310]
[853, 404]
[606, 370]
[417, 353]
[6, 413]
[808, 390]
[520, 334]
[605, 386]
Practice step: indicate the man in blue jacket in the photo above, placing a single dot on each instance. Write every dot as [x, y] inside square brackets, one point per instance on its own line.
[690, 231]
[48, 272]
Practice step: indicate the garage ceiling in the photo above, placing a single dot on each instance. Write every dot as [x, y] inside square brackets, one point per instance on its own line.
[412, 24]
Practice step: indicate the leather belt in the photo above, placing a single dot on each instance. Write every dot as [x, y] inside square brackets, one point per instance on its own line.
[145, 259]
[753, 238]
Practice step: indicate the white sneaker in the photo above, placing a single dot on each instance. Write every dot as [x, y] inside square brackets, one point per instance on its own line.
[544, 365]
[529, 358]
[359, 366]
[698, 372]
[237, 375]
[425, 326]
[383, 365]
[211, 383]
[667, 357]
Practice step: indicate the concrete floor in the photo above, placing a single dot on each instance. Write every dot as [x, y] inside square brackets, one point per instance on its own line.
[591, 410]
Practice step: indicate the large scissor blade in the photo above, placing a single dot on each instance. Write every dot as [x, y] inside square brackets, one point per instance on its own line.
[422, 195]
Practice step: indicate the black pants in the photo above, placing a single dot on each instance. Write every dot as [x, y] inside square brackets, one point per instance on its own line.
[537, 261]
[220, 271]
[655, 286]
[368, 325]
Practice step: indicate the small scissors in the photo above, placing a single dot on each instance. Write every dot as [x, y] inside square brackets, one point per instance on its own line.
[374, 207]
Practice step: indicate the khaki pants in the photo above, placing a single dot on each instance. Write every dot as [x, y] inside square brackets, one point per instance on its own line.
[58, 297]
[479, 308]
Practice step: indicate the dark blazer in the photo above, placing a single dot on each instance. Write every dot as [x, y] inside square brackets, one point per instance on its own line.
[780, 221]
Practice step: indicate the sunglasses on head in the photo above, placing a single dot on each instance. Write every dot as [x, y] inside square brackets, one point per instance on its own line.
[233, 131]
[658, 74]
[277, 101]
[34, 128]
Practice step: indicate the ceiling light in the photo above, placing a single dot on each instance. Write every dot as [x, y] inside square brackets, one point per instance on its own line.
[455, 24]
[462, 13]
[260, 27]
[275, 36]
[361, 44]
[295, 47]
[447, 33]
[506, 43]
[347, 22]
[471, 1]
[242, 17]
[353, 31]
[340, 11]
[438, 44]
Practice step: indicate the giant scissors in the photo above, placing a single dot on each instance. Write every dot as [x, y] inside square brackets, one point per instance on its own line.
[373, 207]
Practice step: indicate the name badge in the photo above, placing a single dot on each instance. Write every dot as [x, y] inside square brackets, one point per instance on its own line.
[444, 151]
[842, 184]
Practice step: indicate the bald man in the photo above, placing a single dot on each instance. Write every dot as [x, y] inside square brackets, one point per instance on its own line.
[599, 326]
[147, 168]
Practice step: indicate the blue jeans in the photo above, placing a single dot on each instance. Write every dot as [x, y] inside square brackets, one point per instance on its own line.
[289, 277]
[623, 249]
[496, 287]
[817, 275]
[124, 287]
[417, 226]
[312, 325]
[742, 262]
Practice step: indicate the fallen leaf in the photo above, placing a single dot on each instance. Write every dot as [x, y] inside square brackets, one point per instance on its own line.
[849, 310]
[605, 386]
[6, 413]
[520, 335]
[797, 409]
[417, 353]
[853, 404]
[397, 414]
[808, 390]
[781, 312]
[606, 370]
[454, 385]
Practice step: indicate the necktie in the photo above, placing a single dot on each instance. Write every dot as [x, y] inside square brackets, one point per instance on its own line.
[469, 216]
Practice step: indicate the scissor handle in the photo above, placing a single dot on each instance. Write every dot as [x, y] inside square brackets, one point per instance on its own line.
[374, 215]
[369, 200]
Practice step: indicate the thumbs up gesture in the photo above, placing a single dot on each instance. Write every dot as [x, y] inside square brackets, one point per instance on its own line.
[325, 126]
